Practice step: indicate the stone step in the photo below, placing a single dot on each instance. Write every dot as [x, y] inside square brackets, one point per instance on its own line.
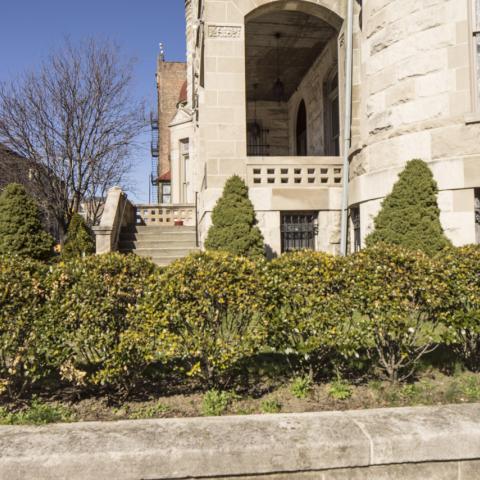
[162, 244]
[164, 237]
[161, 252]
[149, 242]
[164, 261]
[150, 229]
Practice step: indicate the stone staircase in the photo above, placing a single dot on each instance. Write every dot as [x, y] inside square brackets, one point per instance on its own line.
[163, 244]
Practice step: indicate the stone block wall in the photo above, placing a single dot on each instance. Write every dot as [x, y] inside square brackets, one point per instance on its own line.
[441, 443]
[412, 98]
[416, 93]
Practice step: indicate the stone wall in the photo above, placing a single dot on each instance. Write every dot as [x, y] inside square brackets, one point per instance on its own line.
[416, 96]
[220, 136]
[412, 98]
[441, 443]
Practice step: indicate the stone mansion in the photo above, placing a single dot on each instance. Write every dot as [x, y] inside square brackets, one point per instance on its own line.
[263, 94]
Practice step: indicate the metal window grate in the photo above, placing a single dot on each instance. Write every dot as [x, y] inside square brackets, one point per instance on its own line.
[257, 145]
[298, 230]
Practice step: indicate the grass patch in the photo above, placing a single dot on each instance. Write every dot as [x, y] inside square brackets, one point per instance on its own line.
[270, 406]
[301, 387]
[340, 390]
[215, 403]
[157, 410]
[37, 413]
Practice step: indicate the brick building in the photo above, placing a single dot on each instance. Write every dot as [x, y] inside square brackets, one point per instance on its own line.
[171, 82]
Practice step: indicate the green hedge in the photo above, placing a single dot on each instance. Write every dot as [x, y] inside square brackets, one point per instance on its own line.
[207, 310]
[86, 310]
[461, 267]
[117, 321]
[395, 297]
[306, 320]
[22, 295]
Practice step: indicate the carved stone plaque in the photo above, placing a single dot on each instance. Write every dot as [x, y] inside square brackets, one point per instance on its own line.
[224, 31]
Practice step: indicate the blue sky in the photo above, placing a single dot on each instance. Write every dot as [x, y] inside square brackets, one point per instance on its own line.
[32, 28]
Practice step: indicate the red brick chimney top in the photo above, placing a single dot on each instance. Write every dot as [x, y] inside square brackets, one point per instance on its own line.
[182, 98]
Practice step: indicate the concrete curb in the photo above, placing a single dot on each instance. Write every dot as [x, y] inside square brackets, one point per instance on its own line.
[242, 445]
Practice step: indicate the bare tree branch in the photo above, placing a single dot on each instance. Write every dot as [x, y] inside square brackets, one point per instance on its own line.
[75, 122]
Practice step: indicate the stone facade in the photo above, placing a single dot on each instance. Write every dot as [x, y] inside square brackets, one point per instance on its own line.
[417, 100]
[415, 95]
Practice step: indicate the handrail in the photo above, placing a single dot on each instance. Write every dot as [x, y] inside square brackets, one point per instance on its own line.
[120, 223]
[107, 234]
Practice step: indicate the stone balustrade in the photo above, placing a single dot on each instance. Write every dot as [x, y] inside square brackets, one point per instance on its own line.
[295, 172]
[165, 214]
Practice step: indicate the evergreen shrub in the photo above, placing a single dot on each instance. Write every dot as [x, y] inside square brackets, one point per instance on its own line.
[86, 312]
[233, 222]
[21, 230]
[79, 241]
[410, 216]
[22, 293]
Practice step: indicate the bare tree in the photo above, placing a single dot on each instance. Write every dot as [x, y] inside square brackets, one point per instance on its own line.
[75, 121]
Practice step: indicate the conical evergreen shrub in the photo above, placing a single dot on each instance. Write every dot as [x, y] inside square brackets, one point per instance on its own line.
[410, 216]
[233, 219]
[21, 230]
[79, 240]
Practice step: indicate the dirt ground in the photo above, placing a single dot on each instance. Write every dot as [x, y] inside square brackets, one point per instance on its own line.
[299, 395]
[433, 388]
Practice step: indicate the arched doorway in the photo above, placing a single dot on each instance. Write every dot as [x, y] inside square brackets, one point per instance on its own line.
[301, 130]
[290, 49]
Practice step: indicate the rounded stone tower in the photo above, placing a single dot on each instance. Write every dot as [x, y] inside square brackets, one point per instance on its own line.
[417, 97]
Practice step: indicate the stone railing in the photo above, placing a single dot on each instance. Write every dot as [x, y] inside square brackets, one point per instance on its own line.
[165, 215]
[437, 443]
[295, 172]
[117, 213]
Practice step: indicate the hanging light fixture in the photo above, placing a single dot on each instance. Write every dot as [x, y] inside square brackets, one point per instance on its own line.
[255, 128]
[278, 86]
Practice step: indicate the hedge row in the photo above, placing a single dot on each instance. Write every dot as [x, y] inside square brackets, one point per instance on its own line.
[114, 320]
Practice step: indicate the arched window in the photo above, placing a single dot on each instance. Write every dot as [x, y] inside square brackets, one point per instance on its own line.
[301, 133]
